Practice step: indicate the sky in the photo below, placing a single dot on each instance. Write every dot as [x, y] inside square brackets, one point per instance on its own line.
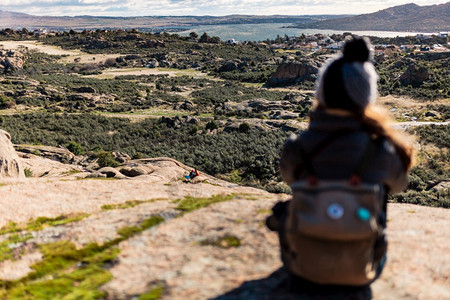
[128, 8]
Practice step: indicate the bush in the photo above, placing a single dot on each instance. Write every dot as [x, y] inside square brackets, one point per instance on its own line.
[6, 102]
[28, 172]
[106, 159]
[244, 127]
[75, 148]
[211, 125]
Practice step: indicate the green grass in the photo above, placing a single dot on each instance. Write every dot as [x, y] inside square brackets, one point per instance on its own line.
[128, 204]
[59, 276]
[189, 203]
[40, 223]
[213, 184]
[227, 241]
[154, 294]
[28, 173]
[6, 251]
[125, 205]
[66, 272]
[71, 172]
[129, 231]
[152, 221]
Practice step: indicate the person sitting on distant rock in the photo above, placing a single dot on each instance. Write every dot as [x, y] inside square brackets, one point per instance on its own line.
[194, 173]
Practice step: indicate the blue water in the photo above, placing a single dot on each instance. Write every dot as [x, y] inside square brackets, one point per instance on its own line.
[261, 32]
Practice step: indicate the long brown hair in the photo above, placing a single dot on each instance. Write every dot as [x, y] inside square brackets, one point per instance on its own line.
[376, 120]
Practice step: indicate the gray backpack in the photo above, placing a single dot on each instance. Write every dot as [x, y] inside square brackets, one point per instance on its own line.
[333, 231]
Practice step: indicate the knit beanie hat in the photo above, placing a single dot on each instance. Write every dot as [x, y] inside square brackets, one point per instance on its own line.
[350, 81]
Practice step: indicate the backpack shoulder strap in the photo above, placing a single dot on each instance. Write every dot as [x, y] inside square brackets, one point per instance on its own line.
[366, 159]
[361, 167]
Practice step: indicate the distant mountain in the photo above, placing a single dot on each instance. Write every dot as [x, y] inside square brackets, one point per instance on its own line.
[408, 17]
[21, 20]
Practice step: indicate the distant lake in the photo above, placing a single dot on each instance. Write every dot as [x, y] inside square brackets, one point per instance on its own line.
[261, 32]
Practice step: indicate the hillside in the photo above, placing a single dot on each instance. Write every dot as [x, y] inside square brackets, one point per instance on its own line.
[408, 17]
[21, 20]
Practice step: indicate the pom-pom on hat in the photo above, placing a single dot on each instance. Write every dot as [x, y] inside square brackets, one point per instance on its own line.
[350, 81]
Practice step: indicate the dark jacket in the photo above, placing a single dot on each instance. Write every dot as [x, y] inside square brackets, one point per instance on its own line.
[341, 157]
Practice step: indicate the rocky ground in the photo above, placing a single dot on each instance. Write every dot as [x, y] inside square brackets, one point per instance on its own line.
[221, 251]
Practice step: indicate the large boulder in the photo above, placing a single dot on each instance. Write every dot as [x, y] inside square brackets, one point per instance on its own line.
[11, 60]
[59, 154]
[414, 76]
[137, 170]
[10, 166]
[229, 66]
[292, 72]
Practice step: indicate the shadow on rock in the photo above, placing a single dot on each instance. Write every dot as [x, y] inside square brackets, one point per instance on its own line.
[280, 285]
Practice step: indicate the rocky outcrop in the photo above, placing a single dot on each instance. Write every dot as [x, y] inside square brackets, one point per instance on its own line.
[137, 170]
[186, 105]
[58, 154]
[10, 166]
[11, 60]
[283, 115]
[177, 121]
[221, 251]
[246, 108]
[266, 105]
[229, 66]
[151, 44]
[152, 64]
[414, 76]
[121, 157]
[292, 72]
[111, 172]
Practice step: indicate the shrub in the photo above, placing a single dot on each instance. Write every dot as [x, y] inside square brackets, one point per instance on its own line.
[28, 172]
[6, 102]
[211, 125]
[244, 127]
[106, 159]
[75, 148]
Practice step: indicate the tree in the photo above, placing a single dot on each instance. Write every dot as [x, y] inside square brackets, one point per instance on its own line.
[211, 125]
[214, 40]
[75, 148]
[204, 38]
[278, 39]
[193, 35]
[244, 127]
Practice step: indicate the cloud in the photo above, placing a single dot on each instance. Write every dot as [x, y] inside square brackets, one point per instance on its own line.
[199, 7]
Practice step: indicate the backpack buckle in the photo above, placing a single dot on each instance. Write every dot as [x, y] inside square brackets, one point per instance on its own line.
[355, 180]
[312, 180]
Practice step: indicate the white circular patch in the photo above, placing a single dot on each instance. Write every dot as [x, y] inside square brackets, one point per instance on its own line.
[335, 211]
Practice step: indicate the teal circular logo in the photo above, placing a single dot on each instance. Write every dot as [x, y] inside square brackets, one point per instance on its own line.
[363, 214]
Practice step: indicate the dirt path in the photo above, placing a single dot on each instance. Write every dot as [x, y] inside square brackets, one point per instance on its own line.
[111, 73]
[70, 56]
[35, 45]
[405, 125]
